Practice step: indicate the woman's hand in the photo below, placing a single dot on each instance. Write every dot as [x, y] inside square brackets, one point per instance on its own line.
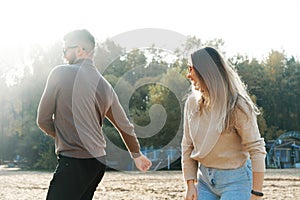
[191, 191]
[254, 197]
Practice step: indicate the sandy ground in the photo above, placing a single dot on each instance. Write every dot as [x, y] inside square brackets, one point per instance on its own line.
[163, 185]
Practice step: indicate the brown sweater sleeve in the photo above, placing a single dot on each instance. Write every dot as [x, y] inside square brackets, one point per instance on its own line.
[47, 105]
[189, 165]
[118, 117]
[247, 128]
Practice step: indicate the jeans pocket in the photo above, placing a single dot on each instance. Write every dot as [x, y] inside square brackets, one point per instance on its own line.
[62, 166]
[248, 169]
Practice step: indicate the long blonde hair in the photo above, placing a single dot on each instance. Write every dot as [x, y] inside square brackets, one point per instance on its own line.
[225, 88]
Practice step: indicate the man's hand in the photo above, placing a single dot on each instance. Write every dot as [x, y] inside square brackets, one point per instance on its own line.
[142, 163]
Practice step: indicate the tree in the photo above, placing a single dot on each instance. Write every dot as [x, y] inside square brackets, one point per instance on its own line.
[148, 86]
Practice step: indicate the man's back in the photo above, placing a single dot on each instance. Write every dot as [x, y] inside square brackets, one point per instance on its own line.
[82, 97]
[72, 108]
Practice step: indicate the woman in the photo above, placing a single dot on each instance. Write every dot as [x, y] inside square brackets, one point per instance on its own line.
[221, 136]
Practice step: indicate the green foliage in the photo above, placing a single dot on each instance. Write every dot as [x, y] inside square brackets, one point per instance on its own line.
[19, 134]
[275, 83]
[46, 155]
[144, 79]
[106, 53]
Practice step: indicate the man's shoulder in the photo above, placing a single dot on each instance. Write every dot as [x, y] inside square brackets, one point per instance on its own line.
[60, 72]
[62, 69]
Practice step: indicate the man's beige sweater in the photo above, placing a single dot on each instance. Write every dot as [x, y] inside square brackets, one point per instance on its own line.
[74, 104]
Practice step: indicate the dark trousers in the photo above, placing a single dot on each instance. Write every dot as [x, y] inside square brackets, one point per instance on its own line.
[76, 178]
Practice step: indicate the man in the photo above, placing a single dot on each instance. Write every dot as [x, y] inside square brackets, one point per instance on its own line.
[73, 106]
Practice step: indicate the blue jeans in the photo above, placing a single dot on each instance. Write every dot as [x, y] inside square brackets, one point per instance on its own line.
[230, 184]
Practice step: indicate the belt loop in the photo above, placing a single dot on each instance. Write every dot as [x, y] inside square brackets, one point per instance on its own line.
[211, 176]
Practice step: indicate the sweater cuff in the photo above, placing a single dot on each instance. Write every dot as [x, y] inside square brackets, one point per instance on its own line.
[258, 165]
[190, 174]
[135, 155]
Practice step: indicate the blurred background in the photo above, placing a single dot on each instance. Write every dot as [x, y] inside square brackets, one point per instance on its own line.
[259, 38]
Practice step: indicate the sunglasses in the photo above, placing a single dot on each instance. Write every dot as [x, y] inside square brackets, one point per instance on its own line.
[65, 50]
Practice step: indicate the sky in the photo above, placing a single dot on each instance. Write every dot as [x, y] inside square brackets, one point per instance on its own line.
[249, 27]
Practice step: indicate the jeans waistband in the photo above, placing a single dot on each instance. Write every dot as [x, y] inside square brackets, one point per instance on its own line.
[101, 158]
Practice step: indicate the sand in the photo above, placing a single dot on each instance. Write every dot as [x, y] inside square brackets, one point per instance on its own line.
[163, 185]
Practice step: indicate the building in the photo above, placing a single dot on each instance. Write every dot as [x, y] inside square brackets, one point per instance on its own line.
[284, 152]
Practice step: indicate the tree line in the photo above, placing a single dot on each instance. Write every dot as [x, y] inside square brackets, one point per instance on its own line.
[152, 90]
